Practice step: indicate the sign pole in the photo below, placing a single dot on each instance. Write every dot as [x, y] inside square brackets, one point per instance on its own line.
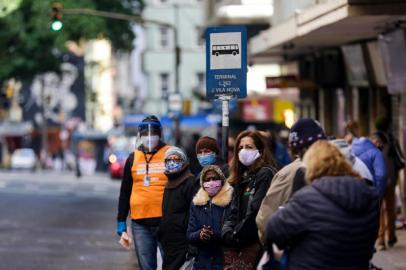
[225, 126]
[226, 70]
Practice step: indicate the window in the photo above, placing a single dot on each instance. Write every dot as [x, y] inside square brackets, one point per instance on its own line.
[200, 76]
[164, 37]
[199, 36]
[164, 77]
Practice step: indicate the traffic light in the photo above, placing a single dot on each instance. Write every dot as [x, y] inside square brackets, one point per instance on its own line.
[56, 17]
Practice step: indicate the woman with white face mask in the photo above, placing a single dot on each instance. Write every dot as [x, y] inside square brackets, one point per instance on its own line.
[251, 172]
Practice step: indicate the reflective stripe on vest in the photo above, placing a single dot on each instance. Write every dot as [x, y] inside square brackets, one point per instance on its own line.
[146, 201]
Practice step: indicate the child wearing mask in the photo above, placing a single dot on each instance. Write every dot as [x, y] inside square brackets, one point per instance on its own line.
[177, 198]
[209, 209]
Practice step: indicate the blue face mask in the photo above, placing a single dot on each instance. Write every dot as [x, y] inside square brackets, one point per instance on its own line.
[173, 166]
[207, 159]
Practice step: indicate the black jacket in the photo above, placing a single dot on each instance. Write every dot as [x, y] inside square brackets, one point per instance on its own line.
[176, 203]
[240, 229]
[331, 224]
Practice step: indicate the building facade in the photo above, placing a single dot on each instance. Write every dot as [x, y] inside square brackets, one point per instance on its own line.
[159, 61]
[339, 46]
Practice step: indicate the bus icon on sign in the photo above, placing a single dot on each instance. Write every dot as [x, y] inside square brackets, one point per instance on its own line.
[225, 49]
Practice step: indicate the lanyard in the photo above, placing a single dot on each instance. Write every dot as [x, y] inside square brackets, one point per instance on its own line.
[147, 161]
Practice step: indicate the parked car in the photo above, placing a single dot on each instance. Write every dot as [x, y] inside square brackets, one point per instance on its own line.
[24, 158]
[116, 164]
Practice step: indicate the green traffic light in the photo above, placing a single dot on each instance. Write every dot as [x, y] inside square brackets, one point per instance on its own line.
[56, 25]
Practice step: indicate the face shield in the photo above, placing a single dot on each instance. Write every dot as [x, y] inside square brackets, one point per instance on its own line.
[150, 134]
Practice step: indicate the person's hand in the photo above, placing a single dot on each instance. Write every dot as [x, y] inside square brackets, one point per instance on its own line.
[125, 240]
[121, 227]
[206, 233]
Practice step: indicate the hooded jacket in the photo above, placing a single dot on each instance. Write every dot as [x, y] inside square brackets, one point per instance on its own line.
[374, 159]
[220, 163]
[331, 224]
[212, 213]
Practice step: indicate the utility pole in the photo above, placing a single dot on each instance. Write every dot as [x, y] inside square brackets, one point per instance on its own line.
[44, 130]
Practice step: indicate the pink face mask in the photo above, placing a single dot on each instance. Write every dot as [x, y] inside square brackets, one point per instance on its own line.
[212, 187]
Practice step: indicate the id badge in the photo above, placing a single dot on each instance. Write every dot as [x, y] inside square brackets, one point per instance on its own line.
[147, 180]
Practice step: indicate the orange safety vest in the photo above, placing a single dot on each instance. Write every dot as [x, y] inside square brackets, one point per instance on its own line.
[146, 201]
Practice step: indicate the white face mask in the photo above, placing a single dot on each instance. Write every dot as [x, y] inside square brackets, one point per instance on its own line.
[248, 156]
[150, 142]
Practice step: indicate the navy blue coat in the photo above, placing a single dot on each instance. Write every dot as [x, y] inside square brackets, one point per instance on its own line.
[211, 213]
[330, 224]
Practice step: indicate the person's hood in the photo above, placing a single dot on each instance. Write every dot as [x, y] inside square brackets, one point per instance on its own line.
[361, 145]
[349, 193]
[222, 199]
[215, 168]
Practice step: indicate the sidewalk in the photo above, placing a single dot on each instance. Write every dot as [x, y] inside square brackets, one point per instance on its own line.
[52, 176]
[55, 182]
[393, 258]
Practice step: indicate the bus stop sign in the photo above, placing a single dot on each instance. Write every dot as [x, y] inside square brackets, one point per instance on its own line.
[226, 62]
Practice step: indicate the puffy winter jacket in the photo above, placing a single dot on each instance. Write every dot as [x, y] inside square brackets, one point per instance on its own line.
[210, 213]
[331, 224]
[374, 159]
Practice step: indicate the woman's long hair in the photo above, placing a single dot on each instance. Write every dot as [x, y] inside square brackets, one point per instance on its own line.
[237, 169]
[325, 159]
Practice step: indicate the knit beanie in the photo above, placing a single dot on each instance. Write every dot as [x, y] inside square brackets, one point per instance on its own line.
[211, 168]
[173, 150]
[209, 143]
[304, 133]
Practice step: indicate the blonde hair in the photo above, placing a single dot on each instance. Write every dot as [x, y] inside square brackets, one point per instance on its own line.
[325, 159]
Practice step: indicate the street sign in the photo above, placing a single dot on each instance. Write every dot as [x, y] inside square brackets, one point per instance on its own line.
[226, 62]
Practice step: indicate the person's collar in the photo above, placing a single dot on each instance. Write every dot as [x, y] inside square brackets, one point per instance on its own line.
[222, 199]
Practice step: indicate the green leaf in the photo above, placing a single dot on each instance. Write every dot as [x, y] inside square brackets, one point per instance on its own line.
[28, 44]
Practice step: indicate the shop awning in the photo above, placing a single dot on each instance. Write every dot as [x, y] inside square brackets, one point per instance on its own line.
[89, 135]
[189, 121]
[333, 23]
